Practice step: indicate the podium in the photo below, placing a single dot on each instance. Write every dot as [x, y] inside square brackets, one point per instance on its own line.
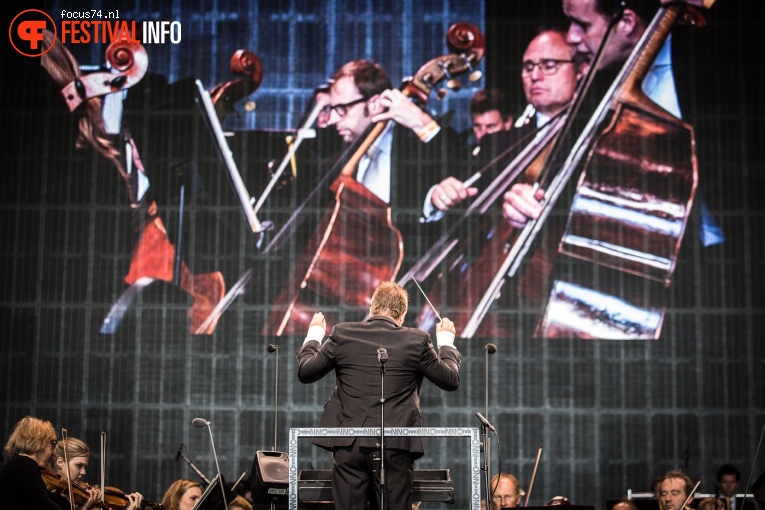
[469, 432]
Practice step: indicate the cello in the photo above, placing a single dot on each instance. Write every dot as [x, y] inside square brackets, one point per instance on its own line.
[356, 246]
[628, 216]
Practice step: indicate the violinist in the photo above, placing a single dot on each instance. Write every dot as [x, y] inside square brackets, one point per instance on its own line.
[675, 489]
[78, 454]
[181, 495]
[30, 446]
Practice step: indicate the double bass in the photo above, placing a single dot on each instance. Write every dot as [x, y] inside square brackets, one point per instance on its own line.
[607, 272]
[356, 246]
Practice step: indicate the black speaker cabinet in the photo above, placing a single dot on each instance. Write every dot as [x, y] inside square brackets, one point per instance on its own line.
[270, 477]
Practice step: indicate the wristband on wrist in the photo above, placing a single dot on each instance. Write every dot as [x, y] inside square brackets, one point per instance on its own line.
[428, 131]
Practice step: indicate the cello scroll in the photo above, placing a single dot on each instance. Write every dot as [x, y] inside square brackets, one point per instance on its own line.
[467, 45]
[224, 95]
[128, 61]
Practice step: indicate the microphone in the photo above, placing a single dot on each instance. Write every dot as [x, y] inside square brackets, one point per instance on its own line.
[199, 423]
[272, 347]
[485, 422]
[382, 355]
[490, 348]
[178, 455]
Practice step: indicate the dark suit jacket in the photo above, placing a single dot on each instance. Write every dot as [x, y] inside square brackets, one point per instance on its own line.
[351, 351]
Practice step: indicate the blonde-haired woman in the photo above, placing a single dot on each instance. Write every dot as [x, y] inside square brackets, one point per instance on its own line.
[30, 447]
[181, 495]
[78, 455]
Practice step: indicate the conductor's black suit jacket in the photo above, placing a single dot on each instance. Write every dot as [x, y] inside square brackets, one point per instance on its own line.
[351, 351]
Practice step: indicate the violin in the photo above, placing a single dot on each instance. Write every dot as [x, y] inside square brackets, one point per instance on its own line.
[56, 484]
[113, 498]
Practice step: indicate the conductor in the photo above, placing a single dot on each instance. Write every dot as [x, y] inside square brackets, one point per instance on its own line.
[352, 351]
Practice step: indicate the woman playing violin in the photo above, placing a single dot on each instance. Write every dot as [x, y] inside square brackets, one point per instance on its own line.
[181, 495]
[78, 454]
[30, 446]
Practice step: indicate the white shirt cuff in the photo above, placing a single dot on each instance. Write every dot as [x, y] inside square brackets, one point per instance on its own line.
[314, 333]
[429, 211]
[445, 338]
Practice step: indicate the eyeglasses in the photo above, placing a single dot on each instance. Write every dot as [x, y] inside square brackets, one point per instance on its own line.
[341, 109]
[547, 66]
[53, 442]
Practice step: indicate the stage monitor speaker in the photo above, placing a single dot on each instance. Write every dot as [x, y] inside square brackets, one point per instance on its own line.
[758, 489]
[270, 477]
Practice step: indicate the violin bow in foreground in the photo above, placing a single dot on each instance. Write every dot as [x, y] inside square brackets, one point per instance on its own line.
[533, 475]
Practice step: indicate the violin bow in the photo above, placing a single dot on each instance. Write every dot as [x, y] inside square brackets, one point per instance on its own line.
[533, 475]
[103, 467]
[690, 496]
[65, 435]
[754, 463]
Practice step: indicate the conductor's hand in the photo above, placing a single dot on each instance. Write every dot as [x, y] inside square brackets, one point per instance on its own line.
[445, 325]
[445, 333]
[318, 320]
[317, 328]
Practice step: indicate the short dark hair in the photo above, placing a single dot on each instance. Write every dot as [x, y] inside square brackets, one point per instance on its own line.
[486, 100]
[369, 77]
[728, 469]
[645, 9]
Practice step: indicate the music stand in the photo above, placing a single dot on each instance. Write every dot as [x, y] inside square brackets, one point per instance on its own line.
[211, 498]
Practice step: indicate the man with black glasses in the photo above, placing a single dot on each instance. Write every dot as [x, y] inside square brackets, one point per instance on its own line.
[549, 72]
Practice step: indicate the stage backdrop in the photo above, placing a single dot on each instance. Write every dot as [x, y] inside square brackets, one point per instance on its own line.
[103, 295]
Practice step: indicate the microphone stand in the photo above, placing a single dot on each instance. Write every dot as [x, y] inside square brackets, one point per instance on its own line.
[191, 465]
[217, 466]
[488, 349]
[382, 430]
[275, 348]
[484, 467]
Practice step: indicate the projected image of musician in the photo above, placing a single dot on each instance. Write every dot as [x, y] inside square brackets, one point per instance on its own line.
[373, 207]
[596, 211]
[102, 112]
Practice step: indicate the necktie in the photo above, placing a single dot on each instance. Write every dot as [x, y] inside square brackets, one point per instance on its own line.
[373, 169]
[727, 503]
